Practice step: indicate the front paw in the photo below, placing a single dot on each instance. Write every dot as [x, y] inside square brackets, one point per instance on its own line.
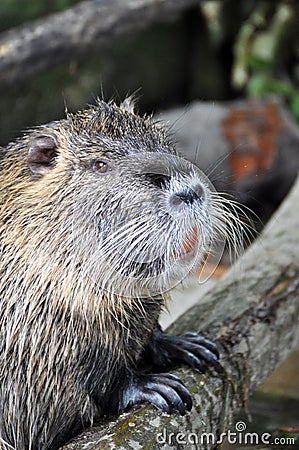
[196, 351]
[165, 391]
[166, 352]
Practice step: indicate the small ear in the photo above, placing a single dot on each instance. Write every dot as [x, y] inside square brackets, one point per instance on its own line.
[41, 154]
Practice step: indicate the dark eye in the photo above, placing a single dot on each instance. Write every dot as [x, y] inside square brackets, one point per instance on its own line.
[101, 167]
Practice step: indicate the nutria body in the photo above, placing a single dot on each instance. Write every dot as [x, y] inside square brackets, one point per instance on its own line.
[98, 218]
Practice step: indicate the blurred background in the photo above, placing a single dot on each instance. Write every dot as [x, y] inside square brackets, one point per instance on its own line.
[208, 50]
[236, 63]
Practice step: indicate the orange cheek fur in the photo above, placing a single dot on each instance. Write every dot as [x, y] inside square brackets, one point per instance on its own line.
[190, 241]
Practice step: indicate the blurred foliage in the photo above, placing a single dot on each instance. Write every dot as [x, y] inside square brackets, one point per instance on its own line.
[219, 50]
[262, 85]
[267, 53]
[265, 43]
[144, 60]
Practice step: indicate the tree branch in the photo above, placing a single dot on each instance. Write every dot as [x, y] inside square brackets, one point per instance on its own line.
[253, 315]
[62, 37]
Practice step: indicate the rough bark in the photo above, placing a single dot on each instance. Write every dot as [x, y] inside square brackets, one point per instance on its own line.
[253, 316]
[62, 37]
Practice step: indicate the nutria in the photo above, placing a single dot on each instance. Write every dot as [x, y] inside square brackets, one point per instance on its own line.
[99, 217]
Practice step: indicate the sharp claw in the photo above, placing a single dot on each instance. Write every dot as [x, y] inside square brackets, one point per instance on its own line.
[157, 400]
[183, 393]
[196, 355]
[170, 394]
[218, 367]
[205, 354]
[177, 385]
[165, 392]
[192, 360]
[197, 338]
[167, 352]
[207, 359]
[186, 397]
[170, 376]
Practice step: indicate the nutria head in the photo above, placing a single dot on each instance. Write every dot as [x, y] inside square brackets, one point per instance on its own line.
[104, 195]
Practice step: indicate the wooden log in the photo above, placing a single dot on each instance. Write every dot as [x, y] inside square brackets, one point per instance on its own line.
[62, 37]
[252, 314]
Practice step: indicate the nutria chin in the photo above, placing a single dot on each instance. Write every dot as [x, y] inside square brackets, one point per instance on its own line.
[99, 217]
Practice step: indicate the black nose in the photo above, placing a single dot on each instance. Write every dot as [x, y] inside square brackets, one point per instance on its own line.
[188, 195]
